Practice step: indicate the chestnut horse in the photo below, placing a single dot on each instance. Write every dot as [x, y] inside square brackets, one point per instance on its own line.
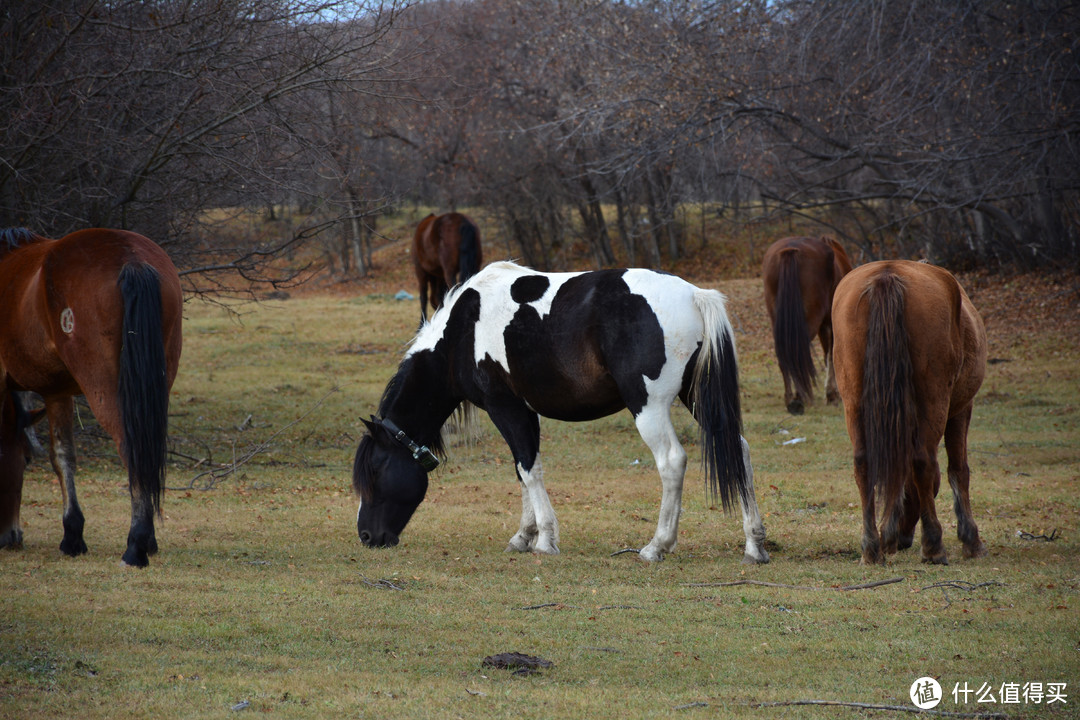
[97, 313]
[446, 251]
[801, 274]
[910, 355]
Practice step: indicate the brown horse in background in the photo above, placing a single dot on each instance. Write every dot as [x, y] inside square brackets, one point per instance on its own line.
[910, 356]
[446, 251]
[97, 313]
[801, 274]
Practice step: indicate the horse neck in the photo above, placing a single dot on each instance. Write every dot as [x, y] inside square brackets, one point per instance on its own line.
[418, 399]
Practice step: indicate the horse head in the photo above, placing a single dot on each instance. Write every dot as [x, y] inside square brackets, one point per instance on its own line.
[390, 476]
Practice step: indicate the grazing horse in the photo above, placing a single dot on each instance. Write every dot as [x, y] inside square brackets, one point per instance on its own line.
[445, 251]
[97, 313]
[910, 356]
[801, 274]
[572, 346]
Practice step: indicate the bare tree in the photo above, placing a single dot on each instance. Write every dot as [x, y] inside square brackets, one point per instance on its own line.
[149, 115]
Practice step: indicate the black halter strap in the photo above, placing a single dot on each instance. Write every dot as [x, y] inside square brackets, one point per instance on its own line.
[420, 453]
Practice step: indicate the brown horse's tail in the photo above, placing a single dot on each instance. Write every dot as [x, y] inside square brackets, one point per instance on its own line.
[144, 387]
[888, 410]
[789, 331]
[470, 257]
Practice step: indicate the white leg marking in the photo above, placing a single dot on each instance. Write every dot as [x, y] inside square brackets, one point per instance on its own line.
[541, 515]
[654, 425]
[525, 538]
[753, 527]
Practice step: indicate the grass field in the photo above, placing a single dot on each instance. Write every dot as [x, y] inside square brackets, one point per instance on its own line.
[263, 601]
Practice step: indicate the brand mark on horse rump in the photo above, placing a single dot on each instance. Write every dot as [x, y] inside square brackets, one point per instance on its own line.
[67, 321]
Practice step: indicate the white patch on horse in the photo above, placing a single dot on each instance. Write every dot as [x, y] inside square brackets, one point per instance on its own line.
[498, 307]
[67, 320]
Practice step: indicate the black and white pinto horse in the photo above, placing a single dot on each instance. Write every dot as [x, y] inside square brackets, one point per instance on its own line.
[522, 344]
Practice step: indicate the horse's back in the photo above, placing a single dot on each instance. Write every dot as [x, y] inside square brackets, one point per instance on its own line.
[821, 263]
[588, 339]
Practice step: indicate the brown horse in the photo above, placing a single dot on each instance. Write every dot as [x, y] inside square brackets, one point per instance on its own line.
[446, 251]
[910, 356]
[97, 313]
[801, 274]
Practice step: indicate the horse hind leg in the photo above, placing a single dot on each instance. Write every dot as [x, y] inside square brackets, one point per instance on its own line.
[871, 539]
[825, 336]
[753, 527]
[959, 479]
[654, 426]
[61, 414]
[927, 479]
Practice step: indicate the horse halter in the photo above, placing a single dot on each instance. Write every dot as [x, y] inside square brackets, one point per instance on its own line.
[420, 453]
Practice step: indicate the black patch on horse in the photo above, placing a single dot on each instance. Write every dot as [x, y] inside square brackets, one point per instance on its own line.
[595, 321]
[529, 288]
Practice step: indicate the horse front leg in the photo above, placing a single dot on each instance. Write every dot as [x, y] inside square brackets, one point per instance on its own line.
[524, 539]
[753, 527]
[61, 414]
[520, 427]
[539, 531]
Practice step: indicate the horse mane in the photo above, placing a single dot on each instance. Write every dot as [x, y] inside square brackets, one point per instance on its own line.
[13, 238]
[390, 396]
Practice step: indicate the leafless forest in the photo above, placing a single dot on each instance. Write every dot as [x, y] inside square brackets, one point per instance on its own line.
[946, 128]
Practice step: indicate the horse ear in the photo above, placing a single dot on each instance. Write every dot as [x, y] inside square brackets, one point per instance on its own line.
[370, 424]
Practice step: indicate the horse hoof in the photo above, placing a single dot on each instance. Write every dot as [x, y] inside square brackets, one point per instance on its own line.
[749, 559]
[73, 548]
[649, 554]
[12, 539]
[135, 558]
[518, 544]
[976, 552]
[796, 407]
[546, 549]
[938, 559]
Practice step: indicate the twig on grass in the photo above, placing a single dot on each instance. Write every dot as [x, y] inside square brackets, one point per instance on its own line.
[624, 550]
[218, 474]
[863, 586]
[381, 583]
[1044, 537]
[689, 706]
[895, 708]
[961, 585]
[558, 606]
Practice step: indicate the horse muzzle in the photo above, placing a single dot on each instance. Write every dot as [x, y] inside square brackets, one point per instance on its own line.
[378, 539]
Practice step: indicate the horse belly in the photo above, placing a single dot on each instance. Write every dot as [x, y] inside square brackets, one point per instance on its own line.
[575, 399]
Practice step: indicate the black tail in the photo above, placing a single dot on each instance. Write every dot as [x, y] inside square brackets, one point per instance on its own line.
[716, 404]
[144, 387]
[470, 256]
[888, 409]
[789, 331]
